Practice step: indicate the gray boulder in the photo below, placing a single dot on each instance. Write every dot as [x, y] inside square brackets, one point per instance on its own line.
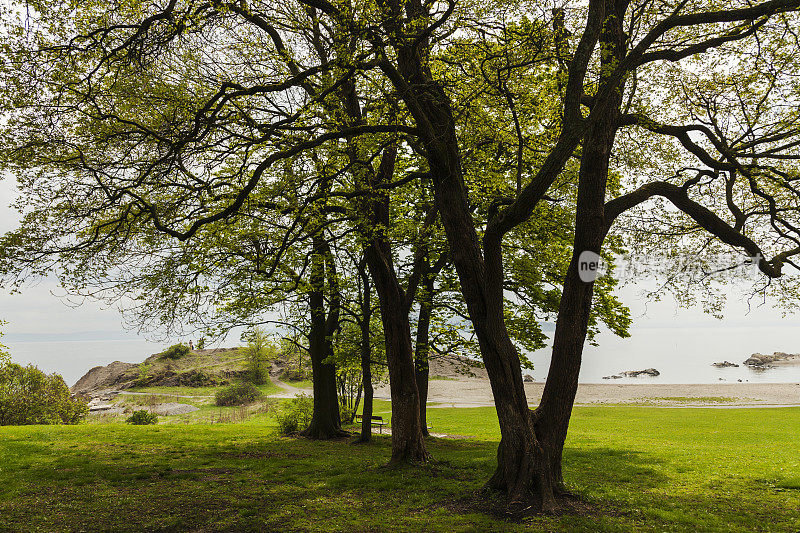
[646, 372]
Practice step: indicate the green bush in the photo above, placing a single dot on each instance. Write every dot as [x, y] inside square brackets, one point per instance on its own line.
[296, 375]
[260, 353]
[295, 414]
[237, 394]
[346, 413]
[29, 396]
[142, 417]
[176, 351]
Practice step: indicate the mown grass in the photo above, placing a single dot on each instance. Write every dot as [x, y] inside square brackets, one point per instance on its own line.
[301, 384]
[638, 468]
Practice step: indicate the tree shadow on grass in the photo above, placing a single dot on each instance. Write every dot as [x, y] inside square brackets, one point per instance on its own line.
[295, 484]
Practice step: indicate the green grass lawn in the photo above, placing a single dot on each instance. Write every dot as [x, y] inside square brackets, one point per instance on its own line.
[639, 468]
[301, 384]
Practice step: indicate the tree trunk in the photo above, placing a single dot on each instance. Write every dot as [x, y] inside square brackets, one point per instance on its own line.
[422, 351]
[366, 355]
[553, 414]
[408, 444]
[526, 468]
[325, 422]
[523, 471]
[356, 403]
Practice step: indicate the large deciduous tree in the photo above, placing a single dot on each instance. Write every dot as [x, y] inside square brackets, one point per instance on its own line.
[137, 118]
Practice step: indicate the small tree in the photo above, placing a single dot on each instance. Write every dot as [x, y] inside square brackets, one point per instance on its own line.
[143, 371]
[259, 352]
[29, 396]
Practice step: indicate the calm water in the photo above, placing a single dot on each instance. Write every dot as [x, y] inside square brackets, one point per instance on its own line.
[72, 359]
[682, 355]
[685, 355]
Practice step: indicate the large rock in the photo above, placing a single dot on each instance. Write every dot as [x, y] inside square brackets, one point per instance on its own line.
[635, 373]
[105, 377]
[762, 360]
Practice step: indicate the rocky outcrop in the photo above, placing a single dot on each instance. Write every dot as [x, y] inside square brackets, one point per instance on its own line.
[635, 374]
[105, 377]
[725, 364]
[764, 361]
[527, 378]
[201, 368]
[190, 378]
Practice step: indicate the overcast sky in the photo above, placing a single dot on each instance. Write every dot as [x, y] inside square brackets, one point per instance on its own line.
[39, 311]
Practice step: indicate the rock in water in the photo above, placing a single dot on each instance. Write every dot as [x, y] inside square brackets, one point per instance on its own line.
[724, 364]
[761, 360]
[636, 373]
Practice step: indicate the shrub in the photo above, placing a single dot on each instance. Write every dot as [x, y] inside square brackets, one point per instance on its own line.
[142, 417]
[296, 375]
[29, 396]
[237, 394]
[143, 374]
[259, 352]
[294, 414]
[346, 413]
[176, 351]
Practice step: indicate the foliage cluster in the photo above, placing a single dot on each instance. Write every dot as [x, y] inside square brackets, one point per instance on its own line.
[294, 414]
[260, 352]
[29, 396]
[176, 351]
[237, 394]
[142, 417]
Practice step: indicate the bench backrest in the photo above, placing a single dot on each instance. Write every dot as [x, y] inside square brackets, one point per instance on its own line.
[378, 418]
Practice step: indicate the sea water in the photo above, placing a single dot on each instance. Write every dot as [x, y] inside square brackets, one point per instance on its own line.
[680, 354]
[684, 355]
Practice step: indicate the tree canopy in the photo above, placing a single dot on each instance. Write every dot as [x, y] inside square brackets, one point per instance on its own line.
[163, 137]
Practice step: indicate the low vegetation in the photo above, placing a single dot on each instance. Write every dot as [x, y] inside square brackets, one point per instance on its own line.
[241, 393]
[176, 351]
[29, 396]
[142, 417]
[635, 469]
[295, 414]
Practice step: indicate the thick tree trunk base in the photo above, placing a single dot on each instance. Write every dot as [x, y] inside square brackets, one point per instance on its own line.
[528, 475]
[497, 503]
[316, 432]
[413, 453]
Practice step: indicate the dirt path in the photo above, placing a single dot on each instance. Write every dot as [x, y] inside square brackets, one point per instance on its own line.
[288, 390]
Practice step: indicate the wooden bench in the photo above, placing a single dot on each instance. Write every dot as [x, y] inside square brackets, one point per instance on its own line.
[376, 420]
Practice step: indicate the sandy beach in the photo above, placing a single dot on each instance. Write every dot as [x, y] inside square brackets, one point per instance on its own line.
[475, 392]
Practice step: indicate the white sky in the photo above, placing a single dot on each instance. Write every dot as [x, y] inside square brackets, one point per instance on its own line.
[39, 311]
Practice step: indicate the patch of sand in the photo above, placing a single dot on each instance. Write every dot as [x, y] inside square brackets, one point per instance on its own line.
[477, 393]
